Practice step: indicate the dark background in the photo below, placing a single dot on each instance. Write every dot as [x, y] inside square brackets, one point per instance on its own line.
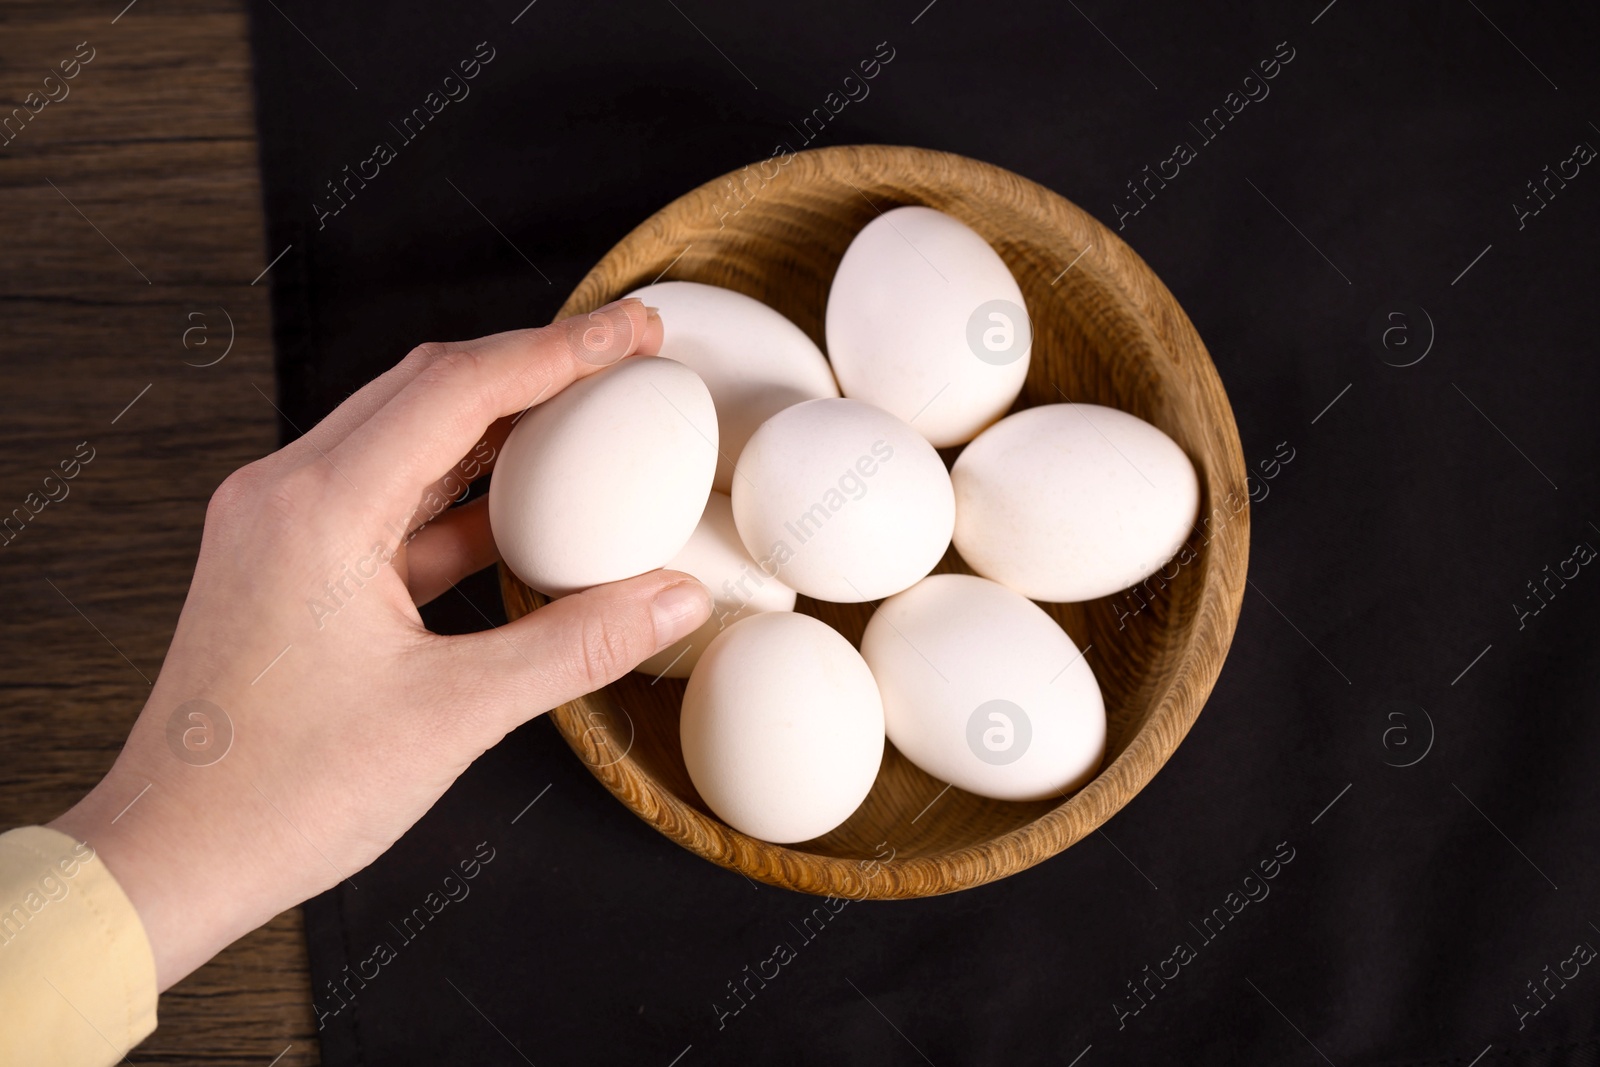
[1379, 629]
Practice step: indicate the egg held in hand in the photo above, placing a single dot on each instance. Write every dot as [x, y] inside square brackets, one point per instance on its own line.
[607, 479]
[983, 690]
[925, 320]
[1070, 502]
[739, 588]
[842, 501]
[754, 361]
[782, 727]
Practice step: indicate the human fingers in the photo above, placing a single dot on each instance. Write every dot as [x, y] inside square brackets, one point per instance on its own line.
[365, 402]
[449, 548]
[420, 434]
[579, 643]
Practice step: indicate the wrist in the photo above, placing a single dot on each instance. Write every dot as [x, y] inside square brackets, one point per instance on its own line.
[135, 826]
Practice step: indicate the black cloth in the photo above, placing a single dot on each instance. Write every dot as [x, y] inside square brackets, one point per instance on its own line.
[1421, 587]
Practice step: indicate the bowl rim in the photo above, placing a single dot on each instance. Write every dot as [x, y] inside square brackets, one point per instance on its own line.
[1175, 708]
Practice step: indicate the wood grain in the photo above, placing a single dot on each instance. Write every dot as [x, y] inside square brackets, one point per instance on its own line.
[1106, 331]
[129, 206]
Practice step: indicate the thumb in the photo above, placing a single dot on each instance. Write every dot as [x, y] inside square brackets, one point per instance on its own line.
[586, 640]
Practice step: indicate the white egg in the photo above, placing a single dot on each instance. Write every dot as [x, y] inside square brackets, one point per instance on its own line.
[926, 321]
[1069, 502]
[607, 479]
[983, 690]
[842, 501]
[753, 359]
[717, 557]
[782, 727]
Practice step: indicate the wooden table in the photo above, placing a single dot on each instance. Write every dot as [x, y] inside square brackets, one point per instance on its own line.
[130, 236]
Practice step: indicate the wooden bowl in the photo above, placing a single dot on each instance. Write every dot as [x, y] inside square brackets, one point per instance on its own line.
[1106, 331]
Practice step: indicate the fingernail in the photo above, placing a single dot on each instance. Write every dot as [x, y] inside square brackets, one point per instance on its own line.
[654, 311]
[678, 610]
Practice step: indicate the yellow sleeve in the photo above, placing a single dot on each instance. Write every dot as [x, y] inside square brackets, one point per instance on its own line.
[77, 979]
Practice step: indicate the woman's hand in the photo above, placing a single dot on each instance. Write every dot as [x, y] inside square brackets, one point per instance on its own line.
[300, 638]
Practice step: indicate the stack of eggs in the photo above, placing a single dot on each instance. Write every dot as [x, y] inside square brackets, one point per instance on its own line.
[738, 461]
